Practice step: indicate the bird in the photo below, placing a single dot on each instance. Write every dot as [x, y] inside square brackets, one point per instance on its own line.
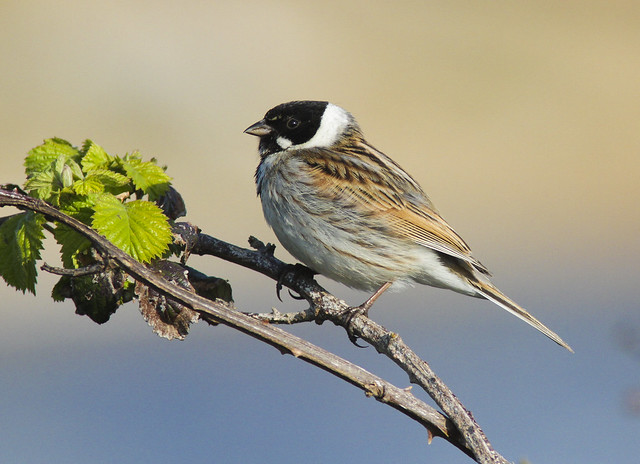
[349, 212]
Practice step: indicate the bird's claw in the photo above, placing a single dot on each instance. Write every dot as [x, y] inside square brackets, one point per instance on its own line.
[298, 270]
[349, 314]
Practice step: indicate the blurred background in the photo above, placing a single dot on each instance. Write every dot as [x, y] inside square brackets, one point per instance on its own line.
[520, 119]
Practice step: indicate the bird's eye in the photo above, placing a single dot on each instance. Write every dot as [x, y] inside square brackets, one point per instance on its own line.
[292, 123]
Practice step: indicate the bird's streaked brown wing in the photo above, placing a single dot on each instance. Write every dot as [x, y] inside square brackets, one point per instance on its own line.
[367, 179]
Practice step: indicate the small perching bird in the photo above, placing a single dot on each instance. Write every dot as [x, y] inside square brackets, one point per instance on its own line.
[349, 212]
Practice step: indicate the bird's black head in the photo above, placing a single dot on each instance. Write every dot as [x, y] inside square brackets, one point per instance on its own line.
[300, 124]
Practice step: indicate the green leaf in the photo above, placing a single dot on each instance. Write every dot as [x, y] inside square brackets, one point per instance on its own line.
[146, 176]
[20, 244]
[76, 170]
[101, 180]
[56, 178]
[81, 207]
[137, 227]
[41, 184]
[71, 245]
[95, 157]
[65, 171]
[41, 157]
[90, 184]
[113, 182]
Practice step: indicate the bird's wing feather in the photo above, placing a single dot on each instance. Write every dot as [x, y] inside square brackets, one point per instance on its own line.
[369, 179]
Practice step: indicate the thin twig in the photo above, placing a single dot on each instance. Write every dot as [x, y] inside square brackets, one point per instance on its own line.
[81, 271]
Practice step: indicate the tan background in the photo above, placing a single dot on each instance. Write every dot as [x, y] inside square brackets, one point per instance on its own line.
[520, 119]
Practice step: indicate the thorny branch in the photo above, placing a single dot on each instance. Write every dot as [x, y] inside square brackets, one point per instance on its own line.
[456, 425]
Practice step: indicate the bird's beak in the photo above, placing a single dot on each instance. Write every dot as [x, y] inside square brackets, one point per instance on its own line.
[259, 129]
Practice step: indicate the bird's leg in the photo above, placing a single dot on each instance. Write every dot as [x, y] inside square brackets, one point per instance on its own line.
[364, 307]
[363, 310]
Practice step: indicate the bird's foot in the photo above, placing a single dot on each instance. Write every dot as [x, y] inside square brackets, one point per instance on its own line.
[348, 316]
[298, 270]
[362, 310]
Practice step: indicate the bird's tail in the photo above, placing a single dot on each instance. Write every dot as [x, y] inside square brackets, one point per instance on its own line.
[491, 293]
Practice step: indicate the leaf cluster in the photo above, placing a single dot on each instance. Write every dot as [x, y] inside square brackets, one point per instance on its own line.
[127, 200]
[112, 194]
[116, 195]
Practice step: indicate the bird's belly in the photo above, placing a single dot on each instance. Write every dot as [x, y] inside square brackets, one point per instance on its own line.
[350, 248]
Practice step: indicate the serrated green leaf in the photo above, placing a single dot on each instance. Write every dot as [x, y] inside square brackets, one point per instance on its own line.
[41, 184]
[113, 182]
[20, 244]
[95, 157]
[147, 176]
[137, 227]
[90, 184]
[41, 157]
[85, 147]
[110, 178]
[101, 180]
[81, 207]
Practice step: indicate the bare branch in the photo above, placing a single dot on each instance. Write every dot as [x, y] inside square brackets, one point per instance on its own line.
[81, 271]
[328, 307]
[276, 317]
[459, 428]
